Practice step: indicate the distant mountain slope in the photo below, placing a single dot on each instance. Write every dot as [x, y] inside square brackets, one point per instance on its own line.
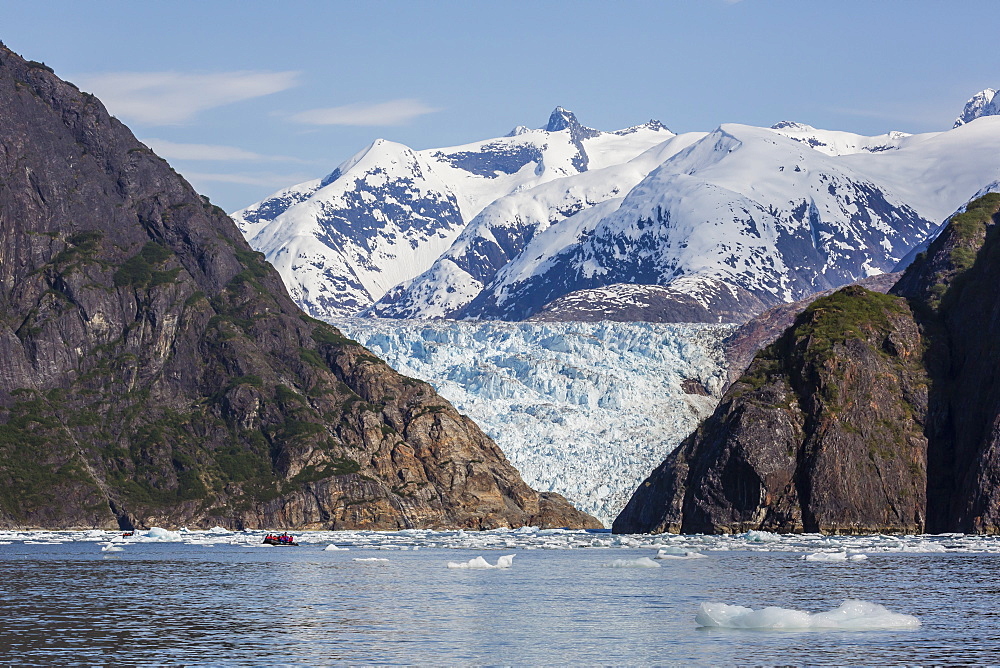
[747, 217]
[155, 370]
[389, 212]
[743, 207]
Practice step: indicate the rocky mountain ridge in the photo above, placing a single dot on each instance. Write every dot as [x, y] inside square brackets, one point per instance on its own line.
[157, 372]
[871, 414]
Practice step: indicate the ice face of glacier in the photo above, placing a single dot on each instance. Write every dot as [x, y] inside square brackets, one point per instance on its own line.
[586, 409]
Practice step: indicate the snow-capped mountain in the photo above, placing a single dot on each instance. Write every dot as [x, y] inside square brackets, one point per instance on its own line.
[983, 103]
[705, 226]
[502, 230]
[739, 219]
[389, 212]
[743, 206]
[585, 409]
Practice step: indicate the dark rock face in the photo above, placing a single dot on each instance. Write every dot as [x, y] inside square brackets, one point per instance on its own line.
[809, 439]
[872, 413]
[155, 370]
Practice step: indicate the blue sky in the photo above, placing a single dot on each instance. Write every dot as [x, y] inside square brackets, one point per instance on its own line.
[246, 97]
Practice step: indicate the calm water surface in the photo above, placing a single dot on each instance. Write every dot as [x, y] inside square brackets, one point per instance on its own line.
[179, 603]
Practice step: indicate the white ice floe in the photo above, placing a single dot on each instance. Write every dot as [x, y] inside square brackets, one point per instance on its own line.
[218, 530]
[641, 562]
[852, 615]
[370, 560]
[161, 535]
[761, 537]
[111, 547]
[334, 548]
[834, 556]
[505, 561]
[677, 553]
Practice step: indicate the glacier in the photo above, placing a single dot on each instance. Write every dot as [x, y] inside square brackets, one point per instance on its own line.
[586, 409]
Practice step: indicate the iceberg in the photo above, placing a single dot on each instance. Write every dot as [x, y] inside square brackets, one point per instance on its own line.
[505, 561]
[334, 548]
[641, 562]
[834, 556]
[163, 535]
[852, 615]
[677, 553]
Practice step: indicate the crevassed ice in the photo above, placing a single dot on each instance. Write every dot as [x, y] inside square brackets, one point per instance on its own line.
[586, 409]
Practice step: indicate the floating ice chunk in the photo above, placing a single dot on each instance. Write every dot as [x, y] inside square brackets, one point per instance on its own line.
[334, 548]
[826, 556]
[112, 548]
[852, 615]
[859, 557]
[677, 553]
[218, 530]
[156, 533]
[761, 537]
[505, 561]
[370, 559]
[641, 562]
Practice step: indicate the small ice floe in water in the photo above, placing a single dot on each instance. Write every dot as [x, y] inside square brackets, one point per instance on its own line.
[334, 548]
[370, 560]
[156, 533]
[641, 562]
[110, 547]
[753, 536]
[677, 553]
[852, 615]
[834, 556]
[505, 561]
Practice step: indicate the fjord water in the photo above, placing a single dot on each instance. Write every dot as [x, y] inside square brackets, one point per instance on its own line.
[391, 599]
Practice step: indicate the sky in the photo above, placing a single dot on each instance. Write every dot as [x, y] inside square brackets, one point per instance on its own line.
[244, 98]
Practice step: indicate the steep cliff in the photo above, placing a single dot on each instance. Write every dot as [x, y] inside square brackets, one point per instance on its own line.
[156, 371]
[872, 413]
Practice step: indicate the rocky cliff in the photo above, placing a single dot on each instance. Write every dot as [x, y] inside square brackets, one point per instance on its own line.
[872, 413]
[156, 371]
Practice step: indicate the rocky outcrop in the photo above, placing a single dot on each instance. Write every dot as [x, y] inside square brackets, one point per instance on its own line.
[872, 413]
[765, 329]
[155, 370]
[817, 435]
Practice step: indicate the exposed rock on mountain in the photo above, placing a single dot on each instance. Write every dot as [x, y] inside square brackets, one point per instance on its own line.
[872, 413]
[155, 369]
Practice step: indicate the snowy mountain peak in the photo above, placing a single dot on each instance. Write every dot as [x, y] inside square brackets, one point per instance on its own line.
[561, 119]
[983, 103]
[518, 131]
[792, 125]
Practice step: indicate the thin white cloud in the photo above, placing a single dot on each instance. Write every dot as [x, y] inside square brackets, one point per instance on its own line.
[171, 98]
[177, 151]
[393, 112]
